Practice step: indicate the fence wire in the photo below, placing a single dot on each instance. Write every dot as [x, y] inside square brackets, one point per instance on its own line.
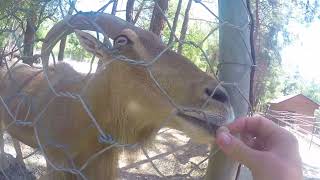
[196, 156]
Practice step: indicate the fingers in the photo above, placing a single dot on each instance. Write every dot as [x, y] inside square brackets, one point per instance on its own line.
[257, 126]
[235, 148]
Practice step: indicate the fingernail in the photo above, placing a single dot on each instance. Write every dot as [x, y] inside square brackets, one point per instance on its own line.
[224, 138]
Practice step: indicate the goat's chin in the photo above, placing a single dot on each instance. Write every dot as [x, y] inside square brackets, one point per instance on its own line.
[197, 133]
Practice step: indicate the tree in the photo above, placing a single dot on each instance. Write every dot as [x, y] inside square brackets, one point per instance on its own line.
[292, 84]
[114, 7]
[270, 22]
[175, 22]
[129, 11]
[74, 49]
[28, 16]
[184, 26]
[200, 32]
[309, 8]
[295, 83]
[29, 38]
[158, 19]
[312, 90]
[272, 18]
[63, 41]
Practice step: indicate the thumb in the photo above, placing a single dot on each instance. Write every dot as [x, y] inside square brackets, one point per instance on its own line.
[235, 148]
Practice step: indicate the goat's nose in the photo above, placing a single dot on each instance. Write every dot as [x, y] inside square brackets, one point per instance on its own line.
[217, 93]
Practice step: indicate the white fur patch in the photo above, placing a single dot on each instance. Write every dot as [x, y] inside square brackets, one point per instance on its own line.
[134, 107]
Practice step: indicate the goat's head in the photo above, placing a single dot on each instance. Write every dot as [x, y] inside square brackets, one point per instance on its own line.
[174, 85]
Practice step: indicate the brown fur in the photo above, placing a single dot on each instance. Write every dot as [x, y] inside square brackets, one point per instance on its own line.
[123, 99]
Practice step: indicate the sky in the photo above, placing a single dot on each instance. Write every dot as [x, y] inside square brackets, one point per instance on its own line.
[303, 54]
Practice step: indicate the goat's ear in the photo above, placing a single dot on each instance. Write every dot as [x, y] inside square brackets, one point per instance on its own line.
[90, 43]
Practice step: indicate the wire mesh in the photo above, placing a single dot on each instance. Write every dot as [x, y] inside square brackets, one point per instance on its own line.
[183, 158]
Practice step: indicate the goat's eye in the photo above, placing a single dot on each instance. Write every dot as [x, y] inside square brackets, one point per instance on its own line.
[121, 41]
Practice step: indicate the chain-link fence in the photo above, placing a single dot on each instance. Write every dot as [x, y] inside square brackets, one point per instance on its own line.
[170, 155]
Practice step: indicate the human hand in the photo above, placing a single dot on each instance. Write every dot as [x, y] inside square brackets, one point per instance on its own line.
[269, 151]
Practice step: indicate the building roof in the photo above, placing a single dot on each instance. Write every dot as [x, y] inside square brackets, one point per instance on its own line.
[285, 98]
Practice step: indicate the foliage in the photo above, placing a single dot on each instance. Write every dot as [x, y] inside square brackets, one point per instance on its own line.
[310, 10]
[272, 84]
[272, 34]
[293, 84]
[2, 38]
[312, 90]
[197, 32]
[74, 49]
[144, 18]
[271, 20]
[317, 115]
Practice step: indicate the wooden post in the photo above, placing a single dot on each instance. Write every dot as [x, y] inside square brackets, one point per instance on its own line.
[313, 132]
[236, 64]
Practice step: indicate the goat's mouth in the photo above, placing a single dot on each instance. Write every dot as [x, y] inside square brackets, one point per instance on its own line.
[210, 122]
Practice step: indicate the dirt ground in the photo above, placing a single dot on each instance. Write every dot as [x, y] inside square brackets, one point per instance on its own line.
[171, 156]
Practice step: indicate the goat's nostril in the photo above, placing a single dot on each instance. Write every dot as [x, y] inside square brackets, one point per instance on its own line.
[219, 95]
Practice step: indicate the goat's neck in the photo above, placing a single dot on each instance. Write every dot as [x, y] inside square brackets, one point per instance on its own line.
[109, 101]
[106, 109]
[108, 165]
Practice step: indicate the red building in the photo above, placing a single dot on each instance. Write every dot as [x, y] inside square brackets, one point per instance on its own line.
[297, 109]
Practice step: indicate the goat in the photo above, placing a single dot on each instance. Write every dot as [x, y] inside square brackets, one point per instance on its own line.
[123, 98]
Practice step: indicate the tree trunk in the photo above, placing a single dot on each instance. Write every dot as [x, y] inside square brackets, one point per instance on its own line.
[29, 38]
[257, 26]
[235, 68]
[175, 22]
[262, 64]
[1, 56]
[184, 27]
[158, 19]
[114, 7]
[259, 86]
[62, 47]
[139, 11]
[63, 41]
[1, 141]
[129, 11]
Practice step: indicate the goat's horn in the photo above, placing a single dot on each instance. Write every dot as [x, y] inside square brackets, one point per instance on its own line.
[101, 22]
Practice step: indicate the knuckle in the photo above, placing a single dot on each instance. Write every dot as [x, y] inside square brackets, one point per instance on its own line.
[290, 139]
[293, 139]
